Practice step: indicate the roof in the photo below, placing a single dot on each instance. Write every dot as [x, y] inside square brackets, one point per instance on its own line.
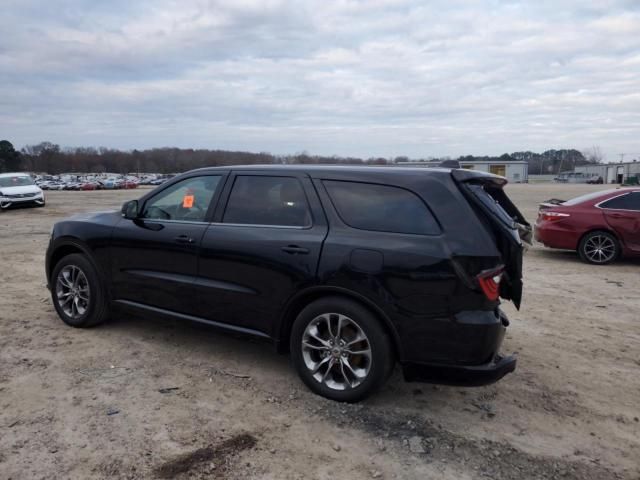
[363, 173]
[599, 196]
[332, 169]
[14, 174]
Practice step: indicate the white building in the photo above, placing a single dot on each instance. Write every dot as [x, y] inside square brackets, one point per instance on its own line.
[514, 171]
[612, 172]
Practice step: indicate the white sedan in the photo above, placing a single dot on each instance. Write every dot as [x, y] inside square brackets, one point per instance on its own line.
[19, 189]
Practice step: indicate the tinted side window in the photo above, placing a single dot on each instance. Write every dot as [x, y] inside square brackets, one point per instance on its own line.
[261, 200]
[381, 208]
[187, 200]
[630, 201]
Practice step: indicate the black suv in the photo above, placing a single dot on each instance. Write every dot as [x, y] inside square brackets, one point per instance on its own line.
[350, 269]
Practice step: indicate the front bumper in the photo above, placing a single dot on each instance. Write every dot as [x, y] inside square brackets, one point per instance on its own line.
[8, 202]
[460, 375]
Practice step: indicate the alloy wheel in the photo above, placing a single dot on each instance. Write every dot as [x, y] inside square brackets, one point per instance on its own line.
[599, 249]
[72, 291]
[336, 351]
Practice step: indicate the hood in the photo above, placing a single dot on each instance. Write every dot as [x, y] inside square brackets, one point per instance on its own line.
[20, 190]
[109, 217]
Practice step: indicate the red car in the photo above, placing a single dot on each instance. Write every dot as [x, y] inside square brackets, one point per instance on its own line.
[88, 186]
[601, 226]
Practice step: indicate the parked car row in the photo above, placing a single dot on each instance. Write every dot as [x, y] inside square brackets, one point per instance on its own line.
[108, 184]
[89, 182]
[153, 181]
[25, 189]
[578, 177]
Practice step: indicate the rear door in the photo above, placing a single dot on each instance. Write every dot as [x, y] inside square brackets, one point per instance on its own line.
[154, 257]
[623, 215]
[264, 245]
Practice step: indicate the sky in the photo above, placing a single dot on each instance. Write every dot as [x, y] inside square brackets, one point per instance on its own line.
[351, 78]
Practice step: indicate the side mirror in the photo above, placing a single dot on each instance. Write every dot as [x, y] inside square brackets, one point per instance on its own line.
[130, 209]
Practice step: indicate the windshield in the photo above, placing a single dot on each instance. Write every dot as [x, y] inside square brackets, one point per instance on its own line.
[586, 197]
[17, 181]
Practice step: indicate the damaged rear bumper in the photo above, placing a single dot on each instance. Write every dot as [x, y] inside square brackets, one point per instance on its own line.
[461, 375]
[478, 335]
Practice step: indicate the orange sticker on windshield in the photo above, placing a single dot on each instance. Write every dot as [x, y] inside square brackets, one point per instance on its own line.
[187, 201]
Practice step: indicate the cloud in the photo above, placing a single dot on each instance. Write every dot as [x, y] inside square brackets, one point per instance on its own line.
[367, 78]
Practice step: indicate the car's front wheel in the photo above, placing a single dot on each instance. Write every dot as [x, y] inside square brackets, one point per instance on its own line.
[599, 248]
[340, 350]
[77, 292]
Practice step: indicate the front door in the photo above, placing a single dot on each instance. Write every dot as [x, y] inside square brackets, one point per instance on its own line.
[623, 215]
[154, 257]
[263, 247]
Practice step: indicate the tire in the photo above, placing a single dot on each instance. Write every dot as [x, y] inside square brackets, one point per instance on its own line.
[341, 374]
[75, 277]
[599, 248]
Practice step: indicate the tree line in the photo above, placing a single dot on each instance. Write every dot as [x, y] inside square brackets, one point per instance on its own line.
[551, 161]
[47, 157]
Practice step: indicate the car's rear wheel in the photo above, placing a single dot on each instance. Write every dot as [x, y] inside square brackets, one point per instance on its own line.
[599, 248]
[77, 292]
[340, 350]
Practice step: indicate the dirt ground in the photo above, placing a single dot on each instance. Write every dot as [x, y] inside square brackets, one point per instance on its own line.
[90, 403]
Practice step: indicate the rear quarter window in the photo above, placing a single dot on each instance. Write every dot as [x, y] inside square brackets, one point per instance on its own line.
[628, 201]
[586, 197]
[381, 208]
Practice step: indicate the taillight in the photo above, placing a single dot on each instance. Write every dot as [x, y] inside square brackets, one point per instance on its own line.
[489, 282]
[552, 216]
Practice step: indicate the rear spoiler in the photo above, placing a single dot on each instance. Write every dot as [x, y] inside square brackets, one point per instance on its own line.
[553, 202]
[464, 175]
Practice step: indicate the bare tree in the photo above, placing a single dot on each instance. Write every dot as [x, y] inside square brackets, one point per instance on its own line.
[593, 154]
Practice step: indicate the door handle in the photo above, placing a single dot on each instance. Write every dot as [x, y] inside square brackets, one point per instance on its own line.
[619, 215]
[184, 239]
[295, 249]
